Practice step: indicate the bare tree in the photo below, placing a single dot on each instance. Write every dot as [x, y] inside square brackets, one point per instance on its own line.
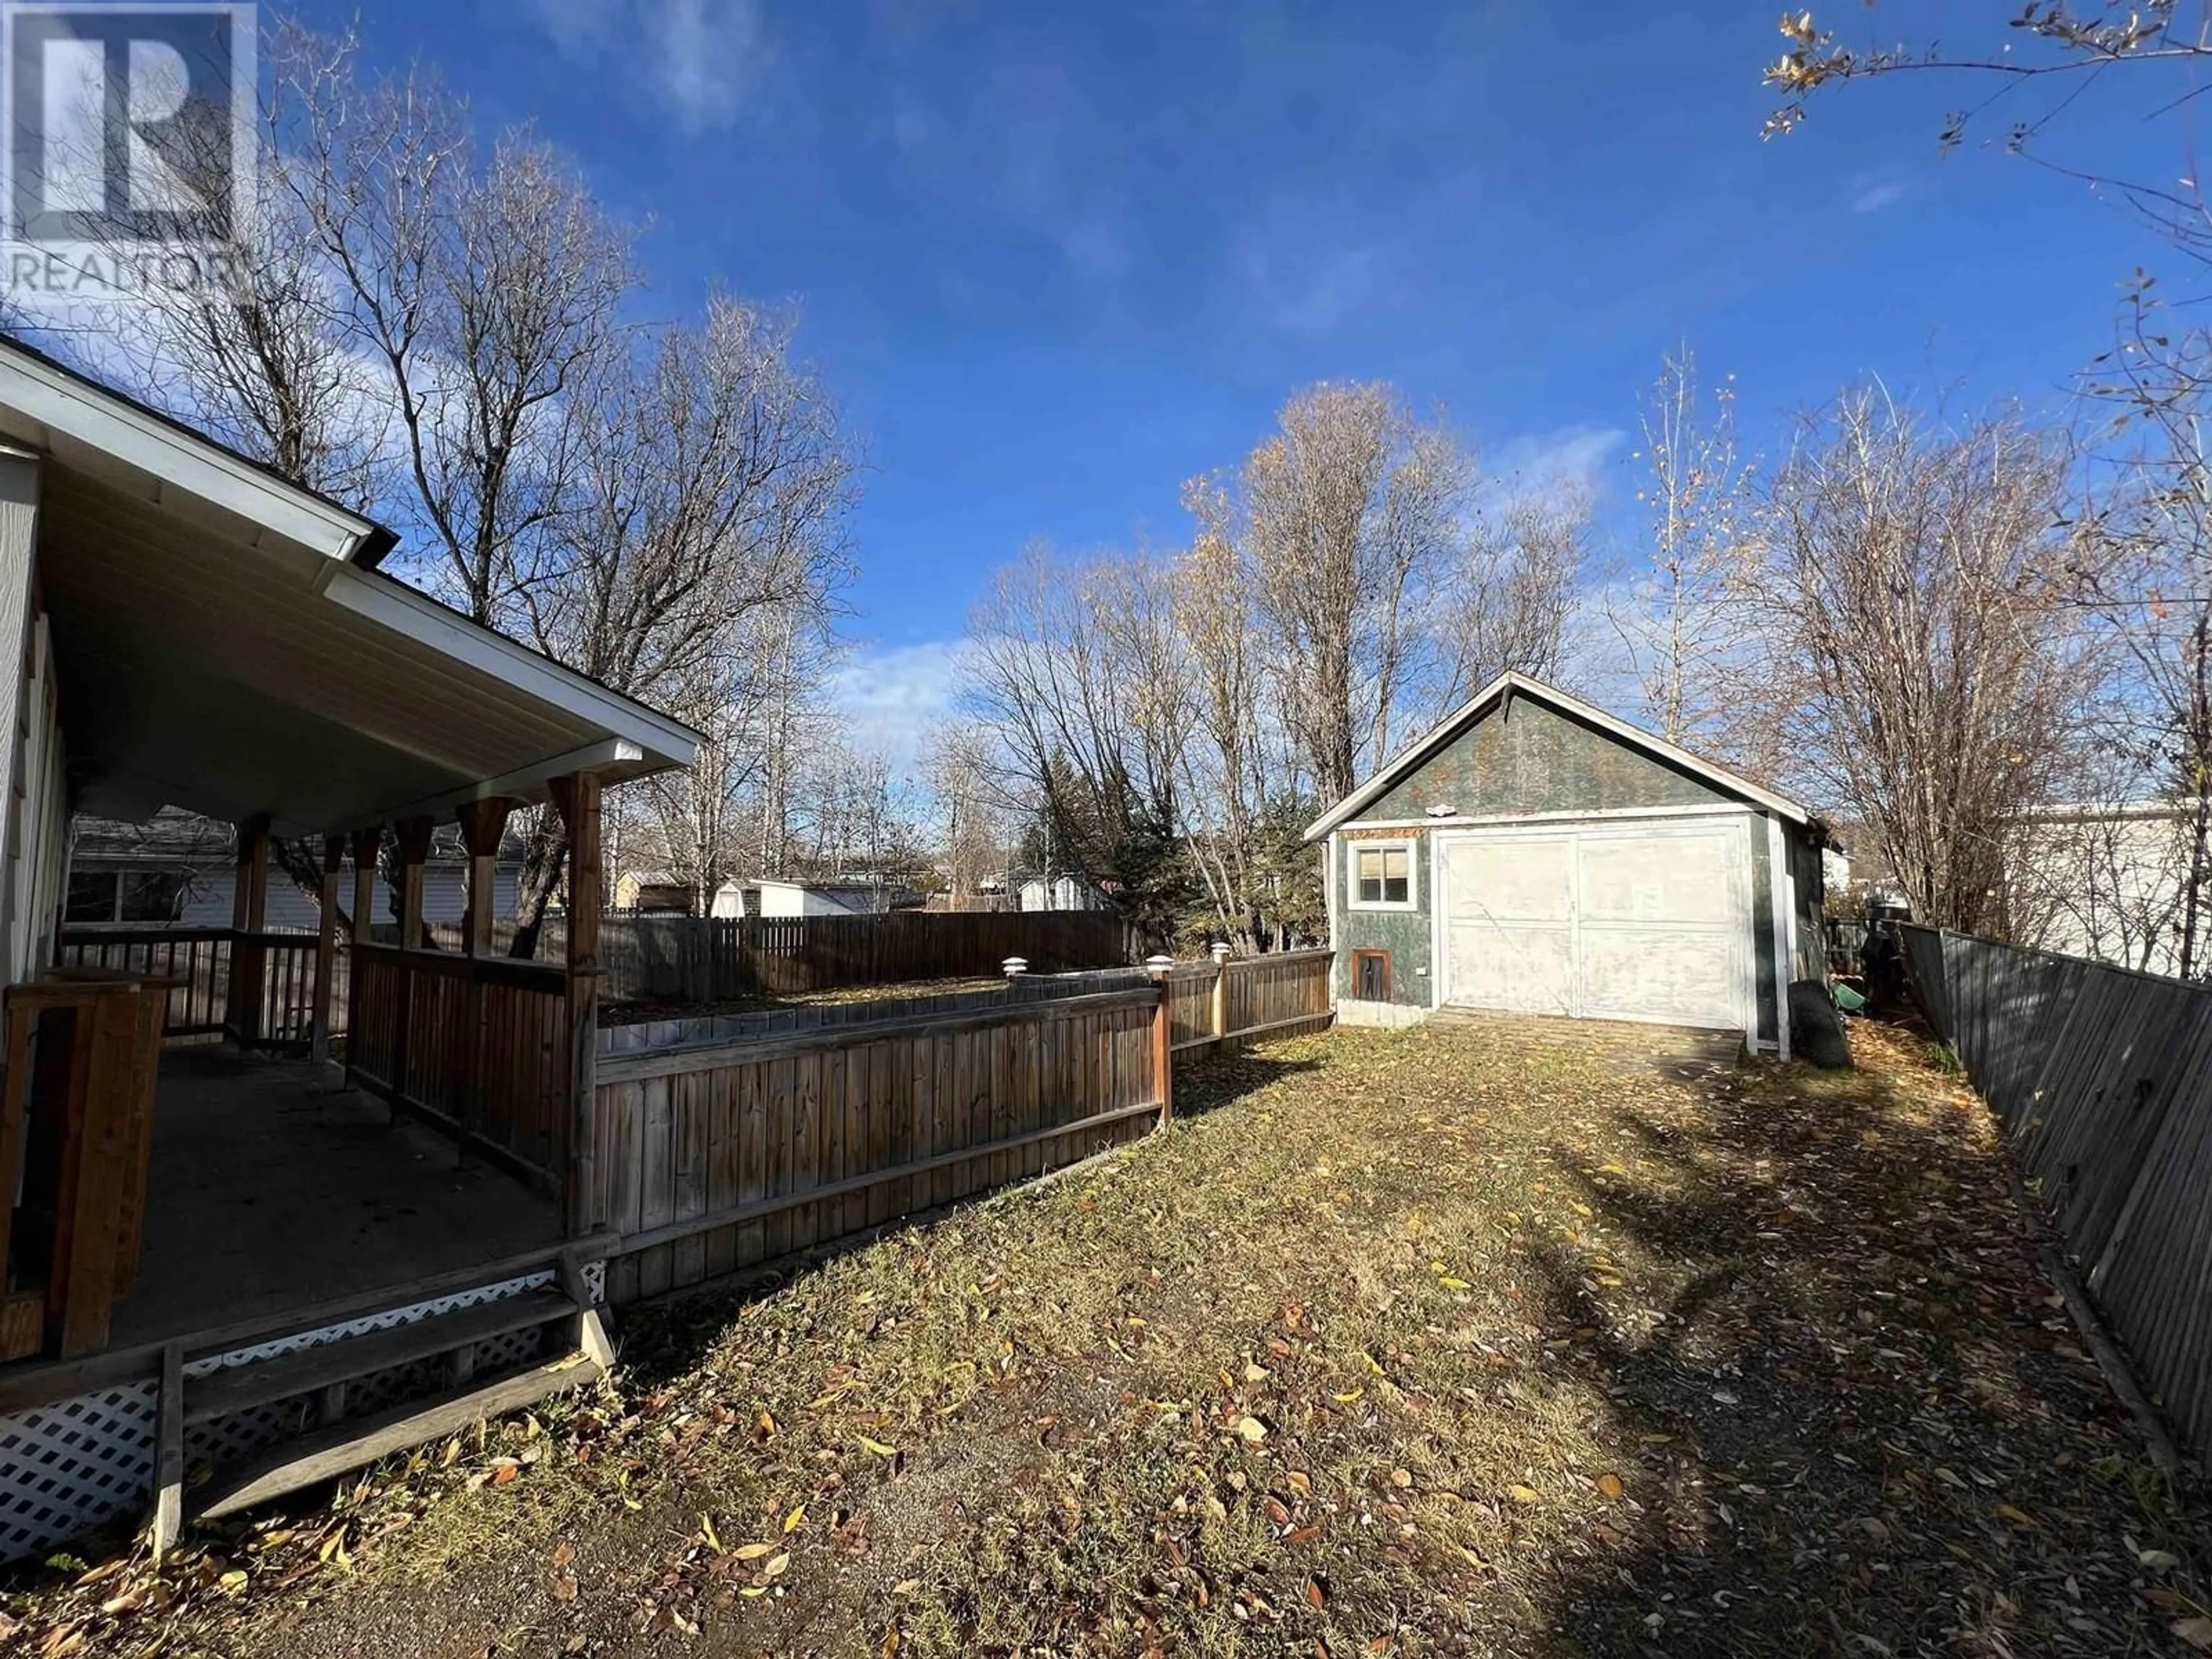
[1678, 625]
[1926, 672]
[1076, 669]
[487, 293]
[706, 532]
[2057, 64]
[1353, 507]
[977, 814]
[1516, 584]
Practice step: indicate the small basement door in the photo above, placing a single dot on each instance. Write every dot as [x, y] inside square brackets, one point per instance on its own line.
[1631, 920]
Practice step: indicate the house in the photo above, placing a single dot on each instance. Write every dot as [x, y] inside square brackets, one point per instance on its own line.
[226, 1276]
[836, 898]
[1536, 854]
[181, 868]
[2105, 880]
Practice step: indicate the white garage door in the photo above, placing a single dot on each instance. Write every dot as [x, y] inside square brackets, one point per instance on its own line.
[1624, 920]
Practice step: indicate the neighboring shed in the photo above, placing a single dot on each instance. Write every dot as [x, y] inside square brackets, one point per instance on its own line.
[653, 892]
[1536, 854]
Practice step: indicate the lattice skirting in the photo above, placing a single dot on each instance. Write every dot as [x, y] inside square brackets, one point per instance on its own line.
[80, 1464]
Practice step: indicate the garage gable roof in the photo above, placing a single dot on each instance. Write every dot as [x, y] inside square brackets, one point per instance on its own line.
[1513, 684]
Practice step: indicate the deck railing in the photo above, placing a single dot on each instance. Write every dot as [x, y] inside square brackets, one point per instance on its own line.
[193, 963]
[478, 1045]
[200, 967]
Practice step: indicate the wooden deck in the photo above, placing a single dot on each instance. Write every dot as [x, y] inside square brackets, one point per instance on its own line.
[276, 1187]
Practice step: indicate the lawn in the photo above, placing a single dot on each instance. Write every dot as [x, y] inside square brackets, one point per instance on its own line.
[1432, 1342]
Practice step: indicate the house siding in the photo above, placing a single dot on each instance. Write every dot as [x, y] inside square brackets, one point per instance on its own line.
[1404, 933]
[209, 895]
[1531, 758]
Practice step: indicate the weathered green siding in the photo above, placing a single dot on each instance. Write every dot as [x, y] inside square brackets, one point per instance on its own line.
[1536, 759]
[1762, 924]
[1403, 934]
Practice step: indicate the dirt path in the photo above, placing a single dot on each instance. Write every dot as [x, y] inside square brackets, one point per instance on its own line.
[1409, 1342]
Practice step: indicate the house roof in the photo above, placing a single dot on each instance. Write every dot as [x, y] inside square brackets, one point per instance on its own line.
[223, 645]
[1514, 684]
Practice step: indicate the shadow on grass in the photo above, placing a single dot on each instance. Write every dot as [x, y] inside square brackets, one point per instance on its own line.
[1859, 1435]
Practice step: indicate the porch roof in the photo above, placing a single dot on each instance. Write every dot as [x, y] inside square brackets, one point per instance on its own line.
[225, 644]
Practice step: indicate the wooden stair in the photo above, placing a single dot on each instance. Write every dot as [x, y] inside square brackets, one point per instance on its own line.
[355, 1444]
[343, 1443]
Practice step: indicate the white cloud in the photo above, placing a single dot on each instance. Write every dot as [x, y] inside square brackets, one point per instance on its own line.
[1871, 195]
[1024, 144]
[1571, 455]
[1308, 283]
[891, 698]
[697, 59]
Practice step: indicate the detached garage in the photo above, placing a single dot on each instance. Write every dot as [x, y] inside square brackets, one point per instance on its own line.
[1535, 854]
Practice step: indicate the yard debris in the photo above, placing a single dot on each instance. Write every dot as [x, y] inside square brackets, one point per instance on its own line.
[1425, 1341]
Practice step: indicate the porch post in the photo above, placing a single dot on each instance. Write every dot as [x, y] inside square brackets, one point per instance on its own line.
[483, 825]
[366, 844]
[577, 797]
[249, 913]
[414, 847]
[326, 944]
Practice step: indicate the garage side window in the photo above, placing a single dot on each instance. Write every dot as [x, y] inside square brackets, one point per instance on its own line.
[1381, 875]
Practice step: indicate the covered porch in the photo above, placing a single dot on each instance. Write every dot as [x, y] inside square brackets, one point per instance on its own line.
[277, 1180]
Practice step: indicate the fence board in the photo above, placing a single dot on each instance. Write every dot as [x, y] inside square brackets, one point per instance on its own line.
[2102, 1078]
[694, 959]
[882, 1121]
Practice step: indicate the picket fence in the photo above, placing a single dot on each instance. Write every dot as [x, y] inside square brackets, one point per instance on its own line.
[2102, 1078]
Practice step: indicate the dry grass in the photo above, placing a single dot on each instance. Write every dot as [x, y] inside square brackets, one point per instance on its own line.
[1430, 1341]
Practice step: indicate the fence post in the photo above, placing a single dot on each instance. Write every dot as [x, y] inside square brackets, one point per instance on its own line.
[1221, 995]
[1163, 1036]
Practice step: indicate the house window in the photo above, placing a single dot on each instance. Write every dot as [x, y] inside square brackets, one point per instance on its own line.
[1370, 976]
[91, 897]
[156, 895]
[1381, 875]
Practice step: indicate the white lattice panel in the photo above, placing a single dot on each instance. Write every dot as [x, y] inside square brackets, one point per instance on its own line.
[73, 1466]
[384, 1320]
[80, 1463]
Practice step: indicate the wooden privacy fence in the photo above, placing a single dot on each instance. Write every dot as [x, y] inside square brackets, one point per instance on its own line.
[478, 1046]
[720, 1142]
[1234, 998]
[2102, 1078]
[692, 959]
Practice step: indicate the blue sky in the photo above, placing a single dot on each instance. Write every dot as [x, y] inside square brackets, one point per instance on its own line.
[1053, 259]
